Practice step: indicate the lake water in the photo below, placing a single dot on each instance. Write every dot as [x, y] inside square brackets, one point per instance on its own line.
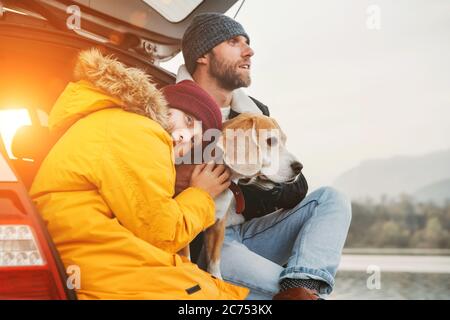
[400, 277]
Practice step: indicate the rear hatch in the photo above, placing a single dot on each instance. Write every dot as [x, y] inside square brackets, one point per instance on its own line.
[153, 28]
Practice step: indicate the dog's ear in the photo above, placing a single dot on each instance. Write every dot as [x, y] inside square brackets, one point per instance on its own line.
[239, 143]
[270, 124]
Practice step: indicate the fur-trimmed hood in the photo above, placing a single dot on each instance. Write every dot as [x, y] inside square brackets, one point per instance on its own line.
[104, 82]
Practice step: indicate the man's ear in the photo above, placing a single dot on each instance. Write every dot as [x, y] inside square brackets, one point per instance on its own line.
[241, 150]
[203, 60]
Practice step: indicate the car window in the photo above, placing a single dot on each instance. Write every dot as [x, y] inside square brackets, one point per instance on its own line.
[174, 10]
[10, 121]
[6, 174]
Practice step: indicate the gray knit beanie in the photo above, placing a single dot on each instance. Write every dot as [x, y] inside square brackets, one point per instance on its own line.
[206, 31]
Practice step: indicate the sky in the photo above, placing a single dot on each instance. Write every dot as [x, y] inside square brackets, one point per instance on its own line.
[351, 80]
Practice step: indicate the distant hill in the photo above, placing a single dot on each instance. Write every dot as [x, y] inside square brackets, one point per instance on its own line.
[428, 174]
[438, 192]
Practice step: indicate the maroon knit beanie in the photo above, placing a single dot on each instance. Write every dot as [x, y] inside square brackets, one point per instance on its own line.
[189, 97]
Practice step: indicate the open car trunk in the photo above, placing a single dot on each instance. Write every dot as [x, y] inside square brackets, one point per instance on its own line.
[38, 50]
[152, 28]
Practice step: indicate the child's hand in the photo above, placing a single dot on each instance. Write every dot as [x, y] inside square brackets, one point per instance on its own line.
[211, 178]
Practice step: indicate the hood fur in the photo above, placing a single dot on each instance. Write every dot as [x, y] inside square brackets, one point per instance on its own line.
[130, 85]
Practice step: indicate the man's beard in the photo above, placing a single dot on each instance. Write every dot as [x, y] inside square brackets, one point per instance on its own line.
[227, 74]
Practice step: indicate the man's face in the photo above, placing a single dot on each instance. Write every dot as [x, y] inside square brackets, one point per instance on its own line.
[230, 63]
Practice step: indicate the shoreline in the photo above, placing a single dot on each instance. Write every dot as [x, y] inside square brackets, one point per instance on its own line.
[395, 263]
[397, 251]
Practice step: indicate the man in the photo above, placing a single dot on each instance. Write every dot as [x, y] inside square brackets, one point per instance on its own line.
[291, 253]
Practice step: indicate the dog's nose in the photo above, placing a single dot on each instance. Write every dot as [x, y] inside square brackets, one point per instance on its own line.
[296, 167]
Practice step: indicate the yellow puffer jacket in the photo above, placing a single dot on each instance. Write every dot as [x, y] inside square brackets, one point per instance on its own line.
[106, 191]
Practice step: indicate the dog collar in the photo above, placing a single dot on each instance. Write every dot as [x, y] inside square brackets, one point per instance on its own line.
[239, 196]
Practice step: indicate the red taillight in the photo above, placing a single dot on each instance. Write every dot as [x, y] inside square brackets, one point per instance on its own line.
[29, 265]
[24, 273]
[28, 283]
[18, 247]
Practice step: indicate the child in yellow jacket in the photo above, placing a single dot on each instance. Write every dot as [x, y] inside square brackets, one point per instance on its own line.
[106, 189]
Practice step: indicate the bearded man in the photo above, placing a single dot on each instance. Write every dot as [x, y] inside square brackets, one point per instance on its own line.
[291, 243]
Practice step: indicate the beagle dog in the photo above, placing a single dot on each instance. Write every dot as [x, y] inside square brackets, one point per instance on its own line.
[253, 147]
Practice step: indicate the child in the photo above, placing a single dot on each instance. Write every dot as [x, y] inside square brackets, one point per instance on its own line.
[106, 189]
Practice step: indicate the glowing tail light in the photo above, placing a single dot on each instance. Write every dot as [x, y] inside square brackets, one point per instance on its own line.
[10, 121]
[29, 263]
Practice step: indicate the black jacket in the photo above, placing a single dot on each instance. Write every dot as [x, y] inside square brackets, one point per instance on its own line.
[260, 202]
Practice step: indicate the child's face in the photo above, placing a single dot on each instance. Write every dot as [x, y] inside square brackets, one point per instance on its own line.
[185, 131]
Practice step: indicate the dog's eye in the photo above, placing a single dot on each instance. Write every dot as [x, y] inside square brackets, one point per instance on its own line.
[272, 141]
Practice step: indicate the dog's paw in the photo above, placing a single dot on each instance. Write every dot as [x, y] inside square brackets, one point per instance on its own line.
[214, 269]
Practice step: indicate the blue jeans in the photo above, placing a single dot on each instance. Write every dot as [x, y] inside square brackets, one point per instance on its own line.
[305, 242]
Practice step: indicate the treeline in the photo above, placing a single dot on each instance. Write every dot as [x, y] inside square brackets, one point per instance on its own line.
[400, 223]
